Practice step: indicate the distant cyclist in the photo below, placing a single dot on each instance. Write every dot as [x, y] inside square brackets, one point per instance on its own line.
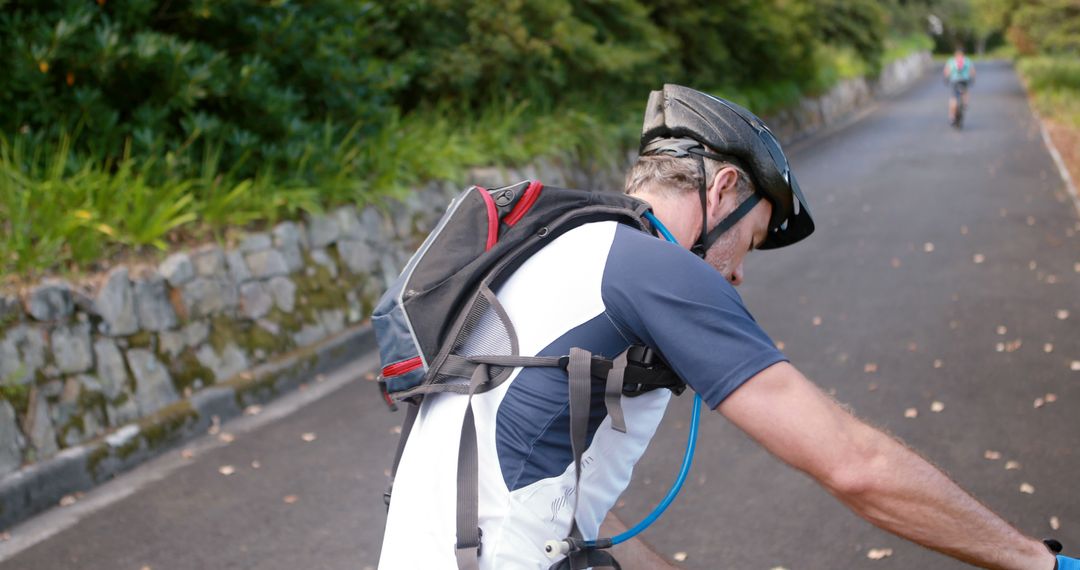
[959, 71]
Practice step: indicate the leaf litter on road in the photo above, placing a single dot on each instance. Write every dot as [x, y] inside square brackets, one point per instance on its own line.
[992, 455]
[978, 258]
[1055, 523]
[309, 437]
[1027, 489]
[911, 413]
[1062, 314]
[937, 407]
[879, 553]
[226, 470]
[1012, 465]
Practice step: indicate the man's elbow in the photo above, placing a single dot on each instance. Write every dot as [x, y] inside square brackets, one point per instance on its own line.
[859, 475]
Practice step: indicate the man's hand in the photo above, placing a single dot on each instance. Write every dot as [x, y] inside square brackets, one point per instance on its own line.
[873, 474]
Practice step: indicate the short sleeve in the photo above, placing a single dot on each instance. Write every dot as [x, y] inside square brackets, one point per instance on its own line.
[663, 296]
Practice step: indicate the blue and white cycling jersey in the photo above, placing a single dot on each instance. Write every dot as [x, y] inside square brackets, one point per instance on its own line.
[602, 287]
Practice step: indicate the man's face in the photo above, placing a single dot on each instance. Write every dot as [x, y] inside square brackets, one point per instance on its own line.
[727, 253]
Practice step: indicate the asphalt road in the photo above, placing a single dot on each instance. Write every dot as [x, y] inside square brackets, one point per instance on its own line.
[939, 273]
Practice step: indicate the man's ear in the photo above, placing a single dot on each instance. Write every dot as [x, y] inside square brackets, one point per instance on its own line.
[723, 192]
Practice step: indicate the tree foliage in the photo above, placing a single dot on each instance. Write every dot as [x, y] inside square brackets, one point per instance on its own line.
[261, 84]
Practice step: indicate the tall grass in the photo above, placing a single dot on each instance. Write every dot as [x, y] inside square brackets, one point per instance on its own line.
[1055, 85]
[60, 211]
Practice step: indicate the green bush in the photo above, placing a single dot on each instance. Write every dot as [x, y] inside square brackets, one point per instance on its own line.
[256, 80]
[130, 124]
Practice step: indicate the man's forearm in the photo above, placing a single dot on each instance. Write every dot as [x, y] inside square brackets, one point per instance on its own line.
[875, 475]
[903, 493]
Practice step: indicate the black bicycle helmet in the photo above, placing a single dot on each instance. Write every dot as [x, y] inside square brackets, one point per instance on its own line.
[680, 121]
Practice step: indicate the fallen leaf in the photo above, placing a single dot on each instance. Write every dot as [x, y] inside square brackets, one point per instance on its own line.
[395, 430]
[1032, 265]
[369, 376]
[912, 347]
[937, 407]
[928, 247]
[1039, 402]
[1076, 267]
[895, 262]
[978, 258]
[253, 410]
[187, 454]
[817, 321]
[255, 464]
[911, 413]
[146, 568]
[1048, 348]
[992, 455]
[1051, 279]
[938, 363]
[68, 500]
[870, 368]
[779, 345]
[308, 437]
[1013, 345]
[1002, 330]
[1012, 465]
[1051, 398]
[1055, 523]
[290, 499]
[226, 437]
[680, 557]
[879, 553]
[999, 347]
[1062, 314]
[1075, 366]
[1027, 489]
[226, 470]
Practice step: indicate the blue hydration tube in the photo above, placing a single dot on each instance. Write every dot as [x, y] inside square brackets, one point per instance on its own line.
[688, 456]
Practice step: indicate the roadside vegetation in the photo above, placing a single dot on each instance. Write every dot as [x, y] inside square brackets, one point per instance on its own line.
[130, 127]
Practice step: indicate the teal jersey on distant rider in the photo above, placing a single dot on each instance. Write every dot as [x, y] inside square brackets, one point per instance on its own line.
[959, 69]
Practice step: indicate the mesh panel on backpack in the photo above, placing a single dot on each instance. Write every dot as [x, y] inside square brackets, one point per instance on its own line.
[485, 333]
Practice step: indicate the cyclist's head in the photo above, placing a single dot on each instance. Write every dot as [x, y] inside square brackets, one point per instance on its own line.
[715, 134]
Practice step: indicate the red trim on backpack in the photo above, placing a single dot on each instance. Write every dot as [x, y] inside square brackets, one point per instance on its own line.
[403, 367]
[493, 218]
[531, 194]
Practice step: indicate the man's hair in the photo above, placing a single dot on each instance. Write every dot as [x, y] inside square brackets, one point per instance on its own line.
[671, 175]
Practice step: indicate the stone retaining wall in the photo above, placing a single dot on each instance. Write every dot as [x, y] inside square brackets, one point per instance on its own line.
[80, 360]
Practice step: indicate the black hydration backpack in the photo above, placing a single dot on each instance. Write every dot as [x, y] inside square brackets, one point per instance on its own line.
[423, 320]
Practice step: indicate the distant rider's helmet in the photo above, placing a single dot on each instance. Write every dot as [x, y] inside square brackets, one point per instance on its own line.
[680, 121]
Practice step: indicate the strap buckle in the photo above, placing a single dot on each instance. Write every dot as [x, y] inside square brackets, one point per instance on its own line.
[384, 391]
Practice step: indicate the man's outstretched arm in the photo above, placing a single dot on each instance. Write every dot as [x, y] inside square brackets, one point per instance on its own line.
[874, 474]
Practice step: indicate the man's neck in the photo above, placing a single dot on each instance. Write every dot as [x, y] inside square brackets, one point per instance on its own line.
[675, 213]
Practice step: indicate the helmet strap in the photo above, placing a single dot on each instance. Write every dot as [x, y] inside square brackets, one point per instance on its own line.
[709, 237]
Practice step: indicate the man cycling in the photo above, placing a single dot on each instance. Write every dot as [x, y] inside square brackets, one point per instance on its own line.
[720, 186]
[959, 72]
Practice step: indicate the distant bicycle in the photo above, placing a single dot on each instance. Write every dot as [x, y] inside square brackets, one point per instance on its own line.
[959, 94]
